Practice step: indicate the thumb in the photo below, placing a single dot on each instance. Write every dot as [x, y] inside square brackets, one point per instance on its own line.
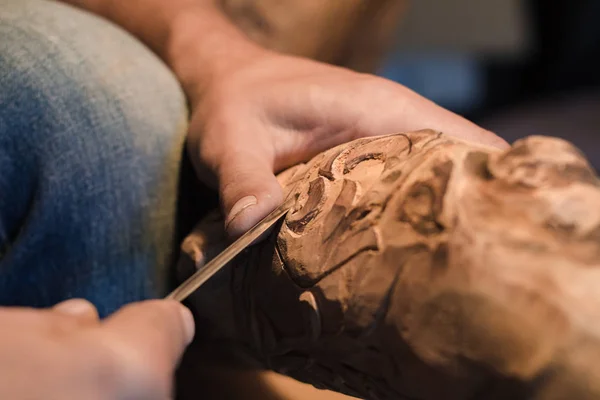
[148, 339]
[81, 309]
[249, 191]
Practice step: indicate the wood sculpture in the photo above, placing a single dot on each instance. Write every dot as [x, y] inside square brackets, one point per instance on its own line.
[350, 33]
[420, 266]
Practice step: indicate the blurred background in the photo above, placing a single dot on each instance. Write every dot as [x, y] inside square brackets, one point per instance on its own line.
[517, 67]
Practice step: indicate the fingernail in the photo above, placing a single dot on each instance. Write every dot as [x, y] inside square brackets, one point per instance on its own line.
[189, 325]
[240, 206]
[75, 307]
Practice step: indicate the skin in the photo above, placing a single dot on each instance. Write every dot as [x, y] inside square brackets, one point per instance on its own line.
[253, 112]
[68, 353]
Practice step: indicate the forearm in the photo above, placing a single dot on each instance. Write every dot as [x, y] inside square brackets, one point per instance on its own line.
[192, 36]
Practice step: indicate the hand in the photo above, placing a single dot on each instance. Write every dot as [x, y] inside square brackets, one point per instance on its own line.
[68, 353]
[269, 111]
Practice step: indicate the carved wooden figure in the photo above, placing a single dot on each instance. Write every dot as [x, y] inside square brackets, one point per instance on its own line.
[419, 266]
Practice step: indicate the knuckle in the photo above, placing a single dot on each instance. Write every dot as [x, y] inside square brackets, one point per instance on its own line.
[384, 89]
[217, 138]
[208, 154]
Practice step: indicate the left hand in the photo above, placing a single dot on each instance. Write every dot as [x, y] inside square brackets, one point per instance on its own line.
[270, 111]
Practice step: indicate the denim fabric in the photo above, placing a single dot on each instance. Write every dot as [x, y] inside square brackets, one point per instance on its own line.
[92, 129]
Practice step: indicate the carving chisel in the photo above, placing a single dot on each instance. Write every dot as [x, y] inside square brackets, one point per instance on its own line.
[217, 263]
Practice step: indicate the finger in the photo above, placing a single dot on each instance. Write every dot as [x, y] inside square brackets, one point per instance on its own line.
[64, 318]
[403, 110]
[206, 240]
[249, 191]
[154, 326]
[82, 310]
[148, 339]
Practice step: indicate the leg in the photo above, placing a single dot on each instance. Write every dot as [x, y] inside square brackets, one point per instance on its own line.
[92, 128]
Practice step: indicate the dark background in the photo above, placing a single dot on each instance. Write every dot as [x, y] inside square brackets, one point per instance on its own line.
[548, 86]
[564, 59]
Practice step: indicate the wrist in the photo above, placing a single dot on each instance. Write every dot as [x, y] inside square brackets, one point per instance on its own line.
[193, 37]
[203, 47]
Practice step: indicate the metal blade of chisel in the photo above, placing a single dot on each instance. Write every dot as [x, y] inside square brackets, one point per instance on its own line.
[217, 263]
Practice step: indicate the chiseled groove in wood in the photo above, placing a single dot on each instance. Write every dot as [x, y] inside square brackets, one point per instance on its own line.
[326, 171]
[410, 142]
[433, 139]
[384, 307]
[460, 319]
[351, 164]
[314, 282]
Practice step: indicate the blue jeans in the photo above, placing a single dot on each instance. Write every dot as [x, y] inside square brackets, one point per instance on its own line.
[92, 129]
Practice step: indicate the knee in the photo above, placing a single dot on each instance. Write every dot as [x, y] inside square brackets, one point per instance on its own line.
[66, 74]
[84, 108]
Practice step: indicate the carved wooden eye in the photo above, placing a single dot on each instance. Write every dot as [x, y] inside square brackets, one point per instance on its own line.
[352, 163]
[418, 210]
[424, 201]
[298, 220]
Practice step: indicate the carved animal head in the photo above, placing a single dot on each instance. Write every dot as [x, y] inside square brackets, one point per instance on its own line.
[418, 258]
[379, 203]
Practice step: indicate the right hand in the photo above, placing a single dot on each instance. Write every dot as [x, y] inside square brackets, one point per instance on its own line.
[67, 353]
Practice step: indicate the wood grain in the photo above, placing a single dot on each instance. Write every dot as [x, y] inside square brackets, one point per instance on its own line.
[419, 266]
